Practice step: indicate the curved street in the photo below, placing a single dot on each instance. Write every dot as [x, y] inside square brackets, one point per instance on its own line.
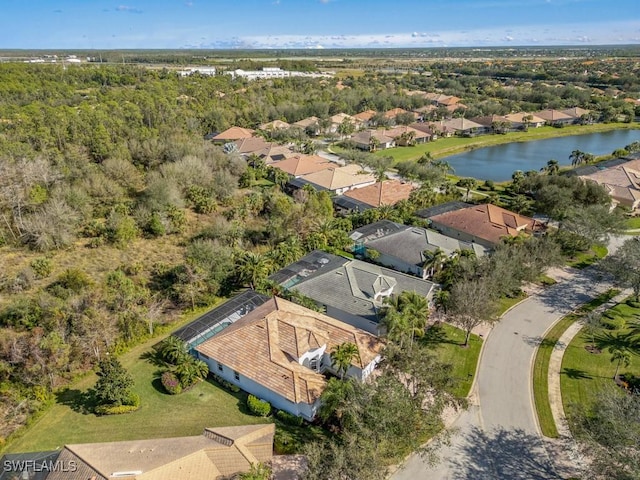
[498, 436]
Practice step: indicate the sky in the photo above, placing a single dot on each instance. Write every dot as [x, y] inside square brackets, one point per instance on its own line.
[120, 24]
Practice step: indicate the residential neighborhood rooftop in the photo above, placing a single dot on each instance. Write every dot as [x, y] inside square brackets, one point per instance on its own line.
[265, 346]
[387, 192]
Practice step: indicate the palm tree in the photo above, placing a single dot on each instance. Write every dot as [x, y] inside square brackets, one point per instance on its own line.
[191, 370]
[337, 400]
[174, 350]
[279, 177]
[374, 143]
[576, 157]
[553, 167]
[405, 316]
[423, 197]
[342, 356]
[620, 355]
[433, 261]
[467, 184]
[252, 267]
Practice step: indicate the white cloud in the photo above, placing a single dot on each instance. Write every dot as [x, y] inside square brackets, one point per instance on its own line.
[127, 9]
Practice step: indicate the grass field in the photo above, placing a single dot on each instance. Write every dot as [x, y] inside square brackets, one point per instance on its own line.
[450, 146]
[446, 341]
[160, 415]
[633, 223]
[541, 363]
[584, 374]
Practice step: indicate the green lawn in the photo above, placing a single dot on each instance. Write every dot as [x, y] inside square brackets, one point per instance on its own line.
[591, 256]
[505, 303]
[447, 342]
[160, 415]
[584, 374]
[450, 146]
[541, 363]
[633, 223]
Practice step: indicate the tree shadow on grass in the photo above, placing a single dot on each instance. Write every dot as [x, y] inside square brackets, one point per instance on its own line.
[502, 453]
[575, 374]
[618, 341]
[153, 357]
[80, 402]
[435, 335]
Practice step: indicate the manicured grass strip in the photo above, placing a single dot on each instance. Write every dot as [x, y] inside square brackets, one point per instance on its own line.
[543, 356]
[447, 340]
[633, 223]
[584, 374]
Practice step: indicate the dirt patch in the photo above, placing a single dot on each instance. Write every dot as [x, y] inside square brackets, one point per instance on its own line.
[592, 349]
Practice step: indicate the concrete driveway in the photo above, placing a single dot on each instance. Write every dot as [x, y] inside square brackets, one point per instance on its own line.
[498, 436]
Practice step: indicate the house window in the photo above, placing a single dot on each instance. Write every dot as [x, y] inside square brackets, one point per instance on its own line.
[313, 364]
[236, 375]
[220, 368]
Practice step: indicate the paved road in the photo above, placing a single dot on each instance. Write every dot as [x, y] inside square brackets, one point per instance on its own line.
[498, 437]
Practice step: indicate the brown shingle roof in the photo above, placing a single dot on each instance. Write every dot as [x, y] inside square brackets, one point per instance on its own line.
[551, 115]
[251, 145]
[364, 137]
[265, 345]
[487, 221]
[274, 152]
[388, 192]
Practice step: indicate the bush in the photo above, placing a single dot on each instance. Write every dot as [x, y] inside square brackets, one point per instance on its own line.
[289, 419]
[284, 443]
[224, 384]
[42, 267]
[258, 407]
[115, 409]
[171, 383]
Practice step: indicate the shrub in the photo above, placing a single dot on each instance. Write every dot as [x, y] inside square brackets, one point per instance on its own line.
[224, 384]
[633, 304]
[284, 443]
[115, 409]
[258, 407]
[171, 383]
[42, 267]
[289, 419]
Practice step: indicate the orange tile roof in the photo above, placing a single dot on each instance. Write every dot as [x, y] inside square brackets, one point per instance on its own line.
[399, 130]
[388, 192]
[299, 165]
[266, 344]
[233, 133]
[341, 177]
[394, 112]
[487, 221]
[551, 115]
[365, 116]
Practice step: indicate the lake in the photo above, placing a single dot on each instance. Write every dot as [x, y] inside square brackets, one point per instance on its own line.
[499, 162]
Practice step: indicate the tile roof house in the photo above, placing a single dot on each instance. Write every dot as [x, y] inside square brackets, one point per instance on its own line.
[555, 117]
[400, 132]
[274, 152]
[365, 117]
[337, 179]
[462, 126]
[490, 121]
[250, 145]
[339, 118]
[299, 165]
[519, 120]
[388, 192]
[364, 140]
[621, 182]
[394, 112]
[275, 125]
[232, 134]
[578, 114]
[351, 290]
[217, 453]
[306, 122]
[484, 224]
[279, 351]
[403, 249]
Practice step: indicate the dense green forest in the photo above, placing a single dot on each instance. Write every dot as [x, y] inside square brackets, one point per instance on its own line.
[116, 215]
